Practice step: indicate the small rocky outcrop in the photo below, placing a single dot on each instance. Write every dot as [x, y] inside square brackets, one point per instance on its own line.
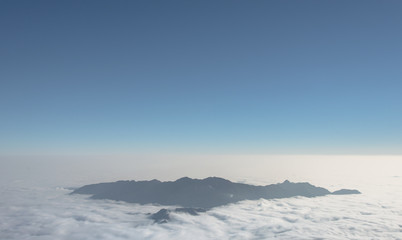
[163, 215]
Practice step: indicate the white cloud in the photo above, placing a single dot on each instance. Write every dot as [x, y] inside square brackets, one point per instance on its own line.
[50, 213]
[47, 212]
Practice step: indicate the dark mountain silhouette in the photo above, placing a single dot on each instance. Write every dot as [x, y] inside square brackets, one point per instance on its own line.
[198, 193]
[163, 215]
[345, 191]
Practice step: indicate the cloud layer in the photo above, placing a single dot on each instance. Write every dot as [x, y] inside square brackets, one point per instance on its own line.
[50, 213]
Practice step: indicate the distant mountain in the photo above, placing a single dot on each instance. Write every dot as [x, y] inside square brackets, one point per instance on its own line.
[199, 193]
[345, 191]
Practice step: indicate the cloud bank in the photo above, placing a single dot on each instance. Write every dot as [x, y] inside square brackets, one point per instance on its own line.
[50, 213]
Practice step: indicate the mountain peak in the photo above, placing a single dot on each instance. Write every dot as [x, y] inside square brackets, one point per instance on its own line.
[184, 179]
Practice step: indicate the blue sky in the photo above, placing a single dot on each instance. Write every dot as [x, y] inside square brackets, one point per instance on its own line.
[230, 77]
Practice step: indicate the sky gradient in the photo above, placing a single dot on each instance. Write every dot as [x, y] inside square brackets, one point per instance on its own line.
[214, 77]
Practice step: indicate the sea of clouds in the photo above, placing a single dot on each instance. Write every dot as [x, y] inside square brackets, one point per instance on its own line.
[35, 202]
[51, 213]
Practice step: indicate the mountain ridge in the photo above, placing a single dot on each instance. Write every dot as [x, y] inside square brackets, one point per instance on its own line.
[200, 193]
